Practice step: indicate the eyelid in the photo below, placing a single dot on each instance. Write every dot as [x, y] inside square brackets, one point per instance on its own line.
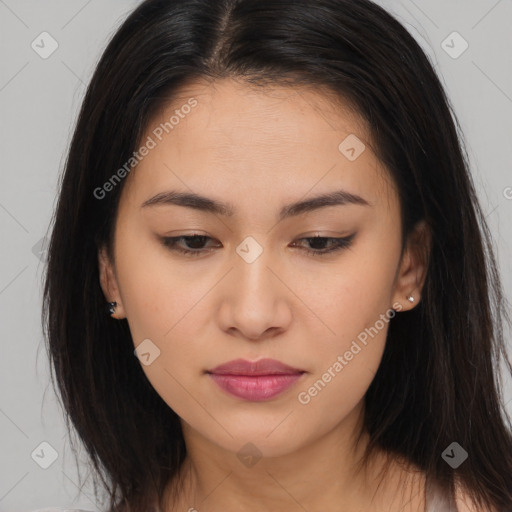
[339, 243]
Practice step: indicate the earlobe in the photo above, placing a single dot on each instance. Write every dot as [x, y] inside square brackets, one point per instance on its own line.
[413, 268]
[108, 283]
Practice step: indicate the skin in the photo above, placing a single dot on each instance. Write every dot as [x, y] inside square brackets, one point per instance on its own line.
[259, 150]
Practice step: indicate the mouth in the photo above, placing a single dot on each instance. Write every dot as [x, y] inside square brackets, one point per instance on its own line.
[255, 381]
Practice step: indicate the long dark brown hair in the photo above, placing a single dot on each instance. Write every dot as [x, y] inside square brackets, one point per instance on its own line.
[439, 379]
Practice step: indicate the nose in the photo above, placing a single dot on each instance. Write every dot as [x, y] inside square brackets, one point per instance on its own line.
[256, 301]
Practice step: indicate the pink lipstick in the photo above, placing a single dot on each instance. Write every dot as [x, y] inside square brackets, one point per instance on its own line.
[255, 381]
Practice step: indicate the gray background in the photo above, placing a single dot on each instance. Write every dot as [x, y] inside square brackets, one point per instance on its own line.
[39, 101]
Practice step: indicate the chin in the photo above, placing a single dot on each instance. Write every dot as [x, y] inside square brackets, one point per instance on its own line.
[251, 443]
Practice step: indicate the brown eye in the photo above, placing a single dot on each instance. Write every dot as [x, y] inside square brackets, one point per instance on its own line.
[195, 244]
[336, 244]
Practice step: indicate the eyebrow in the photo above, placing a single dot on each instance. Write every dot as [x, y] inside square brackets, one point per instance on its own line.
[206, 204]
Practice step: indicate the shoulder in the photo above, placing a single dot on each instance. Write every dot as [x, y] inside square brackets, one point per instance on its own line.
[59, 509]
[464, 502]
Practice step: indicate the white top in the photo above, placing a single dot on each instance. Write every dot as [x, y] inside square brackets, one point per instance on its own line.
[436, 501]
[57, 509]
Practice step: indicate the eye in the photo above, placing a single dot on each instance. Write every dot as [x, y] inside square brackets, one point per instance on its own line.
[336, 244]
[197, 243]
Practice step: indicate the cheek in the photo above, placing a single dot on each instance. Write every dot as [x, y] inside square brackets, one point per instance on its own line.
[351, 297]
[157, 295]
[345, 364]
[354, 302]
[163, 304]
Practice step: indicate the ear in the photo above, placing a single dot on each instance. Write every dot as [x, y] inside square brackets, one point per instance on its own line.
[413, 267]
[108, 282]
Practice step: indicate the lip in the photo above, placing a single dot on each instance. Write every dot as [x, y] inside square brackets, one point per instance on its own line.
[252, 368]
[255, 380]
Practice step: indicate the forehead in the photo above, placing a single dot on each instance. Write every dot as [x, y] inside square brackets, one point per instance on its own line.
[231, 110]
[228, 135]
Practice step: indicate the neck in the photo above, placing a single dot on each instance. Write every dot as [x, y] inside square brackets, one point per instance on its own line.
[323, 474]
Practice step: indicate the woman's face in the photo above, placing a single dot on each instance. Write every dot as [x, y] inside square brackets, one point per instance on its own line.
[252, 290]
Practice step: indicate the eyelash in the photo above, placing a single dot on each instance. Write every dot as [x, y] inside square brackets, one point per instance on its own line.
[338, 244]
